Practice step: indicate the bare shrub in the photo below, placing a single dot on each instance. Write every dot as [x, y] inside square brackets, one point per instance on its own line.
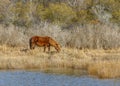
[18, 36]
[89, 36]
[95, 36]
[13, 36]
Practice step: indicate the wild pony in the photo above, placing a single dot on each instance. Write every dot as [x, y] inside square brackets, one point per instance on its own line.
[43, 41]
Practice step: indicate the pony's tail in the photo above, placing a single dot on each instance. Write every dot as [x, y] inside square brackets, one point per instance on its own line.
[30, 43]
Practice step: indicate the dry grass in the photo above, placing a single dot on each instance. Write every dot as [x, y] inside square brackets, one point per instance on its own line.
[101, 63]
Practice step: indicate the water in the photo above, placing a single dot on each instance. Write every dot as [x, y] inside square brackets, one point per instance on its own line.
[35, 78]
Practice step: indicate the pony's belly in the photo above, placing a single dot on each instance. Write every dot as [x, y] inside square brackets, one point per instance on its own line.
[40, 44]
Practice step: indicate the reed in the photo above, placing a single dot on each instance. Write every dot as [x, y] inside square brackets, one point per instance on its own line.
[101, 63]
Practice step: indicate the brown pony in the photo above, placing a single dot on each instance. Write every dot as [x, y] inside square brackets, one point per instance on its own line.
[43, 41]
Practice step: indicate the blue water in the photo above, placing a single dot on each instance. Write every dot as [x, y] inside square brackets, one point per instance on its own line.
[27, 78]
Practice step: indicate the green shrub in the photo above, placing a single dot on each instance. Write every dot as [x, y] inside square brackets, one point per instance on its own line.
[56, 13]
[84, 16]
[62, 12]
[113, 6]
[1, 17]
[3, 9]
[21, 14]
[116, 16]
[42, 12]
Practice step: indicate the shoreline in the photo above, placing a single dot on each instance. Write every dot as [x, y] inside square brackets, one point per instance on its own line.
[99, 62]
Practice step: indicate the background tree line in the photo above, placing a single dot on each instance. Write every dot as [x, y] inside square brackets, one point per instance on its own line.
[62, 12]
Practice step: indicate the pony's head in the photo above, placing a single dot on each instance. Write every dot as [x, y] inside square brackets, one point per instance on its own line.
[58, 47]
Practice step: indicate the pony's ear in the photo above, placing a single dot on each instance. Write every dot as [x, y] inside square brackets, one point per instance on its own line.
[59, 45]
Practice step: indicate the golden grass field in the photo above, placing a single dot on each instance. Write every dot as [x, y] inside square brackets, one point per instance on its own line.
[99, 62]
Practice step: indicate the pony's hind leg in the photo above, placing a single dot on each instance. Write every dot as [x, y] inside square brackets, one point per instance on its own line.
[32, 46]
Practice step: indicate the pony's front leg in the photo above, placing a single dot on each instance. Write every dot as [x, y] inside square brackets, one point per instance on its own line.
[49, 48]
[44, 48]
